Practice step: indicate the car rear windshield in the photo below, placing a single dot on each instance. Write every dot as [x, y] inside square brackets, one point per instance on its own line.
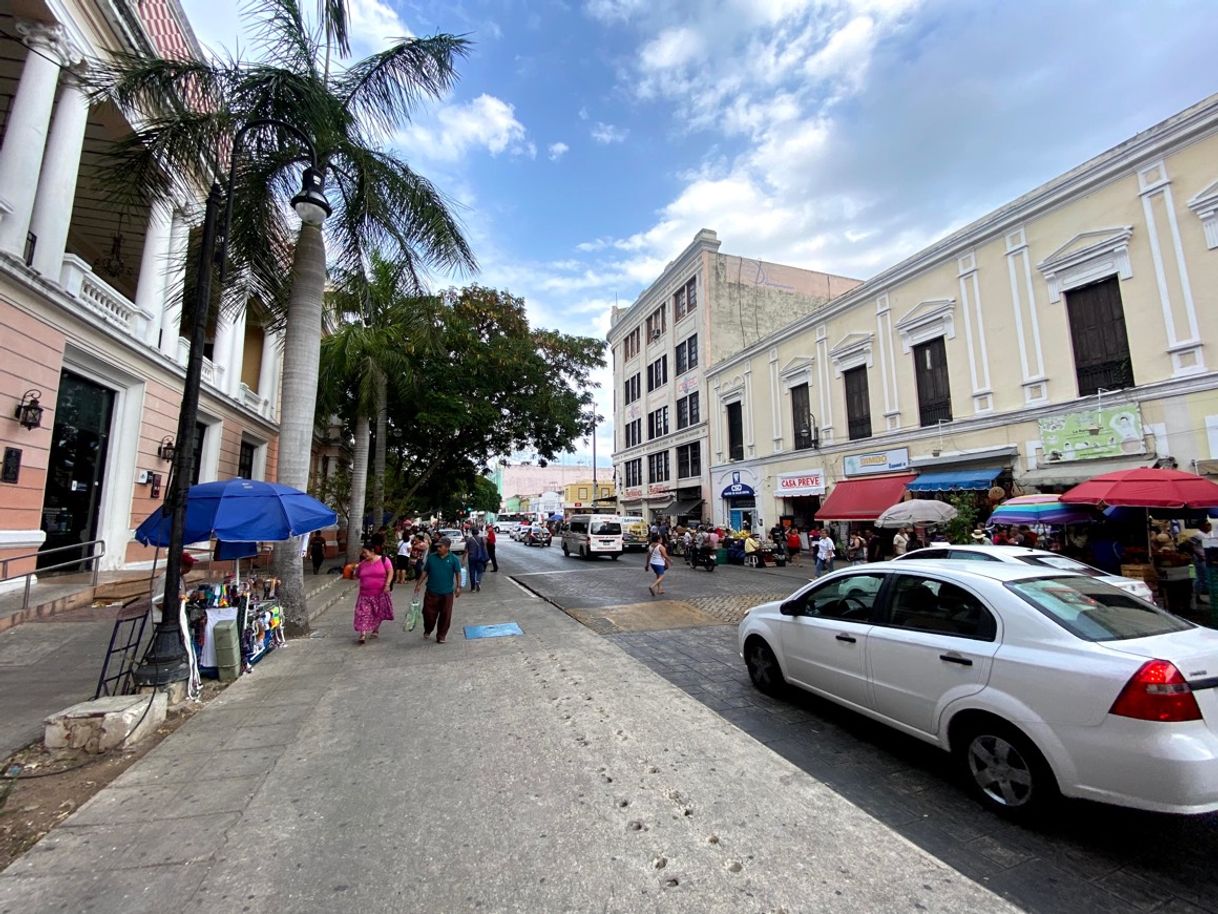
[1061, 563]
[1096, 611]
[604, 528]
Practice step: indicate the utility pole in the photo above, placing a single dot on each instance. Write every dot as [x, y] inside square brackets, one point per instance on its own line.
[596, 494]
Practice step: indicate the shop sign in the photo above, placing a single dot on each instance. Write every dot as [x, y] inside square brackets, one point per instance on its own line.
[632, 494]
[889, 461]
[809, 482]
[738, 489]
[659, 488]
[1109, 431]
[688, 382]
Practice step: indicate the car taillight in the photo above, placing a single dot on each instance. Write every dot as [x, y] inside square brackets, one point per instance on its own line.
[1157, 691]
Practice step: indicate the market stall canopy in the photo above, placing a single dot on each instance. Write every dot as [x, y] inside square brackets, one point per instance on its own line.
[1146, 487]
[241, 510]
[556, 516]
[1040, 509]
[974, 480]
[685, 506]
[863, 499]
[226, 550]
[916, 511]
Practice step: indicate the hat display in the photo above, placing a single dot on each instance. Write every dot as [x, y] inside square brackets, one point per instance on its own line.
[978, 534]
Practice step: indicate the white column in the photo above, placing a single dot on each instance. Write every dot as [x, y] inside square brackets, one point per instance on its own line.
[221, 349]
[175, 281]
[235, 356]
[266, 371]
[57, 182]
[25, 135]
[154, 263]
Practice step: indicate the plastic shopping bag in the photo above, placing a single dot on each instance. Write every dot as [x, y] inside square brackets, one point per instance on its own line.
[415, 614]
[464, 578]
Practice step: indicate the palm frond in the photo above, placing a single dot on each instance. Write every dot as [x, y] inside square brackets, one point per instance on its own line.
[334, 18]
[383, 90]
[282, 35]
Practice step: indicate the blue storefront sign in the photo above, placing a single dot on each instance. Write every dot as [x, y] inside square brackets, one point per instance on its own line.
[738, 489]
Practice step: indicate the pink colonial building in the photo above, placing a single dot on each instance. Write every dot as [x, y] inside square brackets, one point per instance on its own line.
[90, 305]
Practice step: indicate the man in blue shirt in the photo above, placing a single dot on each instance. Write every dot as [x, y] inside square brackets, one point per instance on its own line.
[442, 577]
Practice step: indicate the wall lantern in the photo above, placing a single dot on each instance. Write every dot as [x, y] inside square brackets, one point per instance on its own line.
[166, 449]
[29, 413]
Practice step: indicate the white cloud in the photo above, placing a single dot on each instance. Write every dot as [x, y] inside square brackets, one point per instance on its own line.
[374, 25]
[451, 132]
[672, 48]
[613, 10]
[847, 54]
[607, 133]
[557, 150]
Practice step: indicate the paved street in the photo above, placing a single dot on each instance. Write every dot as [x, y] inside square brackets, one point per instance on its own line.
[1092, 858]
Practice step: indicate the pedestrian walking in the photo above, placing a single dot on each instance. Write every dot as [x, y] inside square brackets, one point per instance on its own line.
[659, 563]
[418, 552]
[401, 561]
[475, 558]
[491, 537]
[794, 545]
[825, 550]
[900, 542]
[374, 605]
[856, 549]
[317, 550]
[442, 579]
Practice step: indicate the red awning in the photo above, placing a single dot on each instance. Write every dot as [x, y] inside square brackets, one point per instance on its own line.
[864, 499]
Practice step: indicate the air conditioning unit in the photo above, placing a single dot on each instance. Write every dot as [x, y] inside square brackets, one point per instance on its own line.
[656, 334]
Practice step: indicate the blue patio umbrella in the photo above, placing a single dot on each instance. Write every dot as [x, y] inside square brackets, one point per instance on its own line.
[240, 511]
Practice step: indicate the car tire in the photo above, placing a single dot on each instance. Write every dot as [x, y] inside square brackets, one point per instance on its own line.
[1003, 769]
[616, 556]
[764, 671]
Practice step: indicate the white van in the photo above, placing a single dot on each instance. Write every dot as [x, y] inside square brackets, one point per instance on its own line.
[589, 535]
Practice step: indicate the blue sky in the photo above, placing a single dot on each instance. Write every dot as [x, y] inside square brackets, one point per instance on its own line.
[588, 140]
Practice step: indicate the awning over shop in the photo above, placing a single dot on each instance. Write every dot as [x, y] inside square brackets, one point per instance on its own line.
[864, 499]
[974, 480]
[685, 506]
[1072, 472]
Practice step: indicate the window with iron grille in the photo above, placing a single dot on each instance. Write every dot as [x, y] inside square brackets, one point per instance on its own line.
[1099, 338]
[735, 432]
[687, 354]
[685, 299]
[657, 423]
[687, 411]
[634, 432]
[657, 467]
[858, 403]
[657, 373]
[633, 471]
[689, 460]
[245, 462]
[801, 417]
[930, 372]
[631, 345]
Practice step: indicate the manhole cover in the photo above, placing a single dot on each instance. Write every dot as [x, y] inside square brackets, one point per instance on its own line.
[496, 630]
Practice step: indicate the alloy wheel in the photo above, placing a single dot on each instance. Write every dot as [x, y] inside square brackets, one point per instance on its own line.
[1000, 770]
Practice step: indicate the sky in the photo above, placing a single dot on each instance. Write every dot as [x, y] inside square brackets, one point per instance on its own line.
[587, 141]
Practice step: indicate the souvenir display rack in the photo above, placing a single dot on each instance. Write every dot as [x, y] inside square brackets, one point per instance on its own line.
[253, 604]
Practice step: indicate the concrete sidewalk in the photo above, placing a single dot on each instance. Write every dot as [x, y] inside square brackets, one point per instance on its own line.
[542, 773]
[53, 662]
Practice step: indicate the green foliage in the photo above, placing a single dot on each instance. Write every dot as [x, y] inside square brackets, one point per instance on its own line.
[960, 528]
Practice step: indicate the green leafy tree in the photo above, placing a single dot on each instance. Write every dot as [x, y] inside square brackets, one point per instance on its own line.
[959, 529]
[379, 329]
[188, 112]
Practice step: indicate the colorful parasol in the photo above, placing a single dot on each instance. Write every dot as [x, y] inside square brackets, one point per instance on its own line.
[1145, 487]
[1040, 509]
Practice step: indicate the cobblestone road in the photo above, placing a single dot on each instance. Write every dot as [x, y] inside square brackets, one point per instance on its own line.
[1089, 858]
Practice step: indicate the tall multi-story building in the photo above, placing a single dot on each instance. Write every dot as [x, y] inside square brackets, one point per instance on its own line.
[705, 307]
[1067, 333]
[90, 303]
[517, 479]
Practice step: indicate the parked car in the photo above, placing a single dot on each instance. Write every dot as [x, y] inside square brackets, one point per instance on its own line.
[458, 539]
[1027, 555]
[537, 535]
[1037, 681]
[520, 530]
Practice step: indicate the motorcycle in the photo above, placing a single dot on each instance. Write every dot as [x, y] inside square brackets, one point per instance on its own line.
[699, 557]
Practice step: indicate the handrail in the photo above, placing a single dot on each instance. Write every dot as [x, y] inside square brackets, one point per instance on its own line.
[28, 575]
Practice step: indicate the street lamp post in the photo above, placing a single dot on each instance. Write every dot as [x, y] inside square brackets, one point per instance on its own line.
[811, 432]
[165, 661]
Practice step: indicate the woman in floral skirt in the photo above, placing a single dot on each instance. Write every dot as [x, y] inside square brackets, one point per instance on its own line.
[374, 605]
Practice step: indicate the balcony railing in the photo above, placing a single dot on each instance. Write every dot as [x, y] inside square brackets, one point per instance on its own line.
[934, 411]
[1112, 375]
[102, 299]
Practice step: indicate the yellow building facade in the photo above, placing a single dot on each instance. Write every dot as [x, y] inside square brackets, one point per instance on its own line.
[584, 495]
[1068, 333]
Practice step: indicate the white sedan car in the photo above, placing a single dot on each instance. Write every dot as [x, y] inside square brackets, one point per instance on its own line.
[1027, 555]
[458, 540]
[1037, 681]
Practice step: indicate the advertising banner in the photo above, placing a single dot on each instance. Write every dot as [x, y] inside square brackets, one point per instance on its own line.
[1109, 431]
[808, 482]
[891, 461]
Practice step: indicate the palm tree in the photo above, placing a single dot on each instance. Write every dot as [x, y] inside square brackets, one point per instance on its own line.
[184, 107]
[380, 326]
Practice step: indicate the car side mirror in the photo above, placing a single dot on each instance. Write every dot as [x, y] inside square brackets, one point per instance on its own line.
[791, 608]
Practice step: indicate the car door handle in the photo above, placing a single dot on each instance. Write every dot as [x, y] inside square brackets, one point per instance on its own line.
[847, 638]
[956, 658]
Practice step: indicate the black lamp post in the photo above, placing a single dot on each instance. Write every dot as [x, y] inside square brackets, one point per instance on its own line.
[811, 433]
[166, 661]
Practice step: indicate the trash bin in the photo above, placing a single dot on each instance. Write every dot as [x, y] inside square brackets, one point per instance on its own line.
[721, 556]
